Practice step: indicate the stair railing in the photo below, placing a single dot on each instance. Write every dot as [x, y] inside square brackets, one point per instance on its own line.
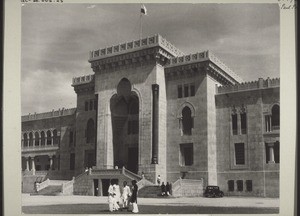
[44, 184]
[131, 175]
[143, 182]
[176, 186]
[67, 187]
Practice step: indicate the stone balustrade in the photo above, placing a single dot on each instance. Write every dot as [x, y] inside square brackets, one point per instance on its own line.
[39, 148]
[42, 185]
[260, 84]
[53, 113]
[83, 79]
[156, 40]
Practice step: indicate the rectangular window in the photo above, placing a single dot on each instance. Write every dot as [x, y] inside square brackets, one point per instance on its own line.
[71, 138]
[72, 161]
[239, 184]
[244, 123]
[179, 91]
[192, 87]
[234, 124]
[267, 152]
[186, 154]
[186, 90]
[230, 185]
[249, 185]
[91, 104]
[86, 107]
[239, 150]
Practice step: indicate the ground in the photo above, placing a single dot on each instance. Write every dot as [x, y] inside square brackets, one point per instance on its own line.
[199, 205]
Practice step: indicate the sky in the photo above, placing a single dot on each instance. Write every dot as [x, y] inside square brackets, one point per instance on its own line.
[56, 40]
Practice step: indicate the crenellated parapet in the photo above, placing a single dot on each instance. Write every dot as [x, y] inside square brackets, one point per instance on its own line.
[259, 84]
[52, 114]
[148, 42]
[133, 54]
[83, 79]
[204, 61]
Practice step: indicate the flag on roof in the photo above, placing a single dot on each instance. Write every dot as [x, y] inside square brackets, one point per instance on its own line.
[143, 10]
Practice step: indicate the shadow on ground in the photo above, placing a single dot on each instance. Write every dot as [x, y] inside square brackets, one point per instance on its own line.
[143, 209]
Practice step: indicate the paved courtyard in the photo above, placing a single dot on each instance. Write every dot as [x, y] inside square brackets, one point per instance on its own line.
[199, 205]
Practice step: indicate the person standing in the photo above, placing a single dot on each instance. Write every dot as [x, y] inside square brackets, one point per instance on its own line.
[117, 196]
[133, 199]
[168, 189]
[111, 197]
[125, 195]
[158, 179]
[163, 189]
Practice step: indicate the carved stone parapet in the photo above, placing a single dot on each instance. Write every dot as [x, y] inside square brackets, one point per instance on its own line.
[128, 60]
[137, 45]
[89, 87]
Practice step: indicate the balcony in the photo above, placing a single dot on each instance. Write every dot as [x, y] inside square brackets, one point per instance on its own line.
[39, 150]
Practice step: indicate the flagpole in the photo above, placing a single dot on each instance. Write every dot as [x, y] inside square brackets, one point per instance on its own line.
[141, 27]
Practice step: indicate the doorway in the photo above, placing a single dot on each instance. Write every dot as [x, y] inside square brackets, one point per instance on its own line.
[133, 159]
[96, 187]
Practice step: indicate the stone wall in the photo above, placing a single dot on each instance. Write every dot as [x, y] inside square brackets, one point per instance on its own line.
[141, 79]
[198, 104]
[264, 176]
[82, 118]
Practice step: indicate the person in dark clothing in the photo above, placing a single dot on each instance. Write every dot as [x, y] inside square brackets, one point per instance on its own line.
[163, 189]
[133, 198]
[168, 189]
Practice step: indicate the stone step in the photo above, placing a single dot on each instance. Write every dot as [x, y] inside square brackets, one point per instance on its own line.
[150, 191]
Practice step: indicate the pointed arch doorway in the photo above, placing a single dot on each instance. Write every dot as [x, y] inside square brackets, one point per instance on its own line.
[125, 126]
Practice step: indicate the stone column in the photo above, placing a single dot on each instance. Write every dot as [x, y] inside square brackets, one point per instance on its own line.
[52, 138]
[155, 117]
[51, 162]
[271, 153]
[27, 164]
[32, 164]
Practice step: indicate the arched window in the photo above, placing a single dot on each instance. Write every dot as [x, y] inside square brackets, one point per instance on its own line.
[187, 121]
[42, 138]
[30, 139]
[49, 137]
[36, 139]
[25, 140]
[275, 117]
[90, 131]
[55, 137]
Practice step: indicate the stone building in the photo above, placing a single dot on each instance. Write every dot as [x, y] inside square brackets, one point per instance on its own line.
[151, 110]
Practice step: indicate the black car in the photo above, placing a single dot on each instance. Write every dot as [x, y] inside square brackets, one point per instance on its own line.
[213, 191]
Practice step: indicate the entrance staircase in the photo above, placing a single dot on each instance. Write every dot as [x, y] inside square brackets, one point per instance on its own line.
[54, 188]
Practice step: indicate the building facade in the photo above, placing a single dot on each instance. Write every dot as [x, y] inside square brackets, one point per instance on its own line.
[152, 110]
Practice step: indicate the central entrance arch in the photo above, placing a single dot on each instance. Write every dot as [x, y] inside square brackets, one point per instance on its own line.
[124, 108]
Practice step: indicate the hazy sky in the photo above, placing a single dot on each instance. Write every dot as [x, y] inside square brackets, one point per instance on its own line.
[56, 40]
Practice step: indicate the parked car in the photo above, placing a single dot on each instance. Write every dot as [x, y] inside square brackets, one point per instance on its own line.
[213, 191]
